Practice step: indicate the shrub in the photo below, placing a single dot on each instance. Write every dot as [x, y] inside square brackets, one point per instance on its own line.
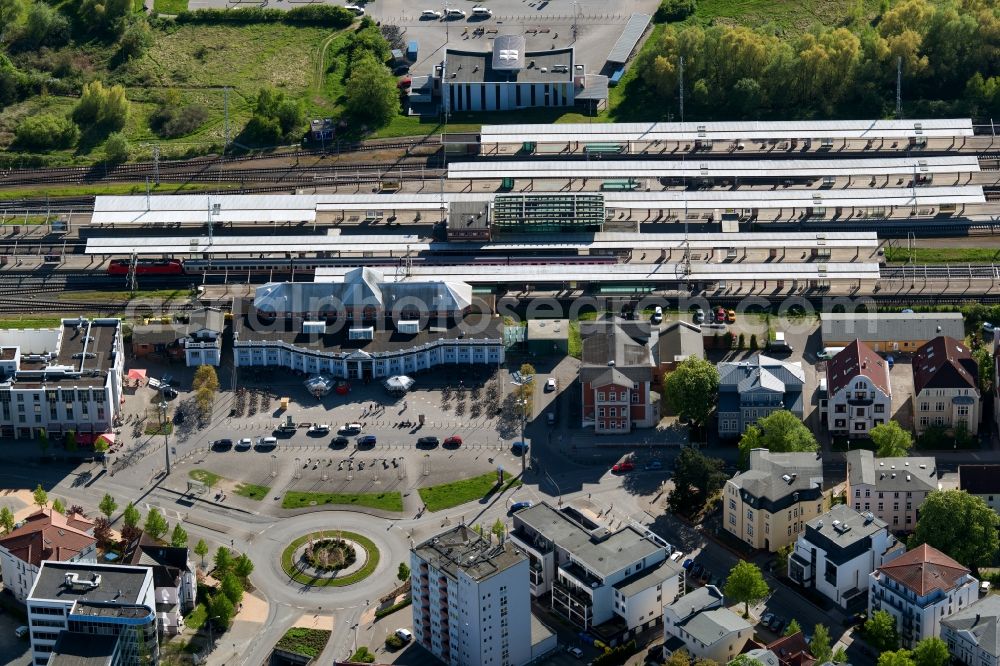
[101, 107]
[674, 10]
[171, 122]
[46, 132]
[323, 15]
[117, 148]
[137, 38]
[393, 642]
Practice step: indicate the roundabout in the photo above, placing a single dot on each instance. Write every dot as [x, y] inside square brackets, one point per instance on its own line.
[330, 558]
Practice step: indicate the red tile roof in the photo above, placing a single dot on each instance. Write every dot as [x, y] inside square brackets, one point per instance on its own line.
[857, 359]
[48, 535]
[792, 650]
[925, 569]
[944, 363]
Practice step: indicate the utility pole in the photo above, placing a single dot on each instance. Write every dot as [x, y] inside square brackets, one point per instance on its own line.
[899, 87]
[681, 86]
[156, 163]
[225, 105]
[574, 20]
[130, 279]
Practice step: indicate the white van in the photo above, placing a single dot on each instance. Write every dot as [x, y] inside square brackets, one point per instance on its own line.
[482, 12]
[829, 352]
[358, 11]
[456, 13]
[430, 14]
[657, 315]
[267, 441]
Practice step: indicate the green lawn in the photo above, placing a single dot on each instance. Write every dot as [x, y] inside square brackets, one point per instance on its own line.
[574, 341]
[99, 188]
[934, 255]
[160, 294]
[30, 322]
[252, 490]
[370, 564]
[196, 618]
[208, 478]
[308, 642]
[159, 429]
[391, 501]
[447, 495]
[170, 6]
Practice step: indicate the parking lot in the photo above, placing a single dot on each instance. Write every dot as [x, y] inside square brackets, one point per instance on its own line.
[13, 651]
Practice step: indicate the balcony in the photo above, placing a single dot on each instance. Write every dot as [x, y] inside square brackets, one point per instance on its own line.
[571, 594]
[539, 545]
[580, 576]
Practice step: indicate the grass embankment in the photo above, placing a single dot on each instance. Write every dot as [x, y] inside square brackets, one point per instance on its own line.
[122, 295]
[391, 501]
[107, 188]
[370, 563]
[940, 255]
[447, 495]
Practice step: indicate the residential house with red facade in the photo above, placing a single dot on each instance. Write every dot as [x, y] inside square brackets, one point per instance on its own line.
[617, 371]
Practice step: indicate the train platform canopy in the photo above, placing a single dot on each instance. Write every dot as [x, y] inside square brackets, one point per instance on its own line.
[187, 208]
[399, 245]
[728, 131]
[695, 168]
[629, 38]
[642, 273]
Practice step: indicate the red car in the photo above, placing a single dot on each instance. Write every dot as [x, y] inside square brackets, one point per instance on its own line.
[342, 388]
[454, 440]
[623, 467]
[720, 316]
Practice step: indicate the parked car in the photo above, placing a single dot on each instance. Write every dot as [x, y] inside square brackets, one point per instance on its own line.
[339, 441]
[654, 464]
[350, 429]
[777, 624]
[696, 569]
[355, 9]
[404, 82]
[622, 467]
[21, 632]
[518, 506]
[688, 563]
[988, 328]
[575, 651]
[453, 441]
[456, 13]
[366, 440]
[428, 442]
[169, 393]
[676, 556]
[244, 444]
[730, 316]
[550, 384]
[404, 635]
[699, 316]
[706, 576]
[766, 619]
[657, 315]
[222, 444]
[430, 14]
[319, 429]
[720, 316]
[519, 448]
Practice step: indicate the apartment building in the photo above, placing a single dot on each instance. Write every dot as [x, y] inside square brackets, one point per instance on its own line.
[75, 603]
[768, 505]
[198, 340]
[918, 589]
[593, 575]
[61, 379]
[983, 481]
[700, 623]
[617, 370]
[174, 580]
[750, 390]
[859, 392]
[891, 488]
[973, 633]
[945, 386]
[837, 551]
[44, 535]
[471, 605]
[889, 331]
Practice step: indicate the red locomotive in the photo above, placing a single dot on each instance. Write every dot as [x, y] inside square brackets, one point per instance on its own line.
[147, 267]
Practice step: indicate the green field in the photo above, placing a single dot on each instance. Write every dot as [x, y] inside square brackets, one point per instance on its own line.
[938, 255]
[392, 501]
[169, 6]
[252, 490]
[778, 15]
[447, 495]
[98, 188]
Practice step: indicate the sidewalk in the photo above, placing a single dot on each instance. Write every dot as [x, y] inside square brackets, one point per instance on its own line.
[242, 635]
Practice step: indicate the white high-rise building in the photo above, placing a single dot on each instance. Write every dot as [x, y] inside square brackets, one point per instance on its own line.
[471, 605]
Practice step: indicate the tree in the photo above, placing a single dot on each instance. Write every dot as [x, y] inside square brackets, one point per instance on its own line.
[746, 585]
[525, 392]
[984, 359]
[46, 131]
[897, 658]
[793, 628]
[781, 558]
[372, 95]
[690, 390]
[753, 342]
[205, 377]
[201, 550]
[741, 342]
[43, 440]
[129, 535]
[131, 515]
[880, 631]
[58, 506]
[498, 529]
[11, 12]
[104, 108]
[221, 610]
[931, 651]
[403, 574]
[839, 656]
[108, 505]
[243, 566]
[679, 658]
[40, 497]
[819, 646]
[116, 148]
[45, 25]
[891, 440]
[232, 588]
[156, 525]
[674, 10]
[745, 660]
[102, 532]
[223, 561]
[6, 520]
[100, 446]
[779, 432]
[179, 537]
[696, 478]
[108, 15]
[959, 524]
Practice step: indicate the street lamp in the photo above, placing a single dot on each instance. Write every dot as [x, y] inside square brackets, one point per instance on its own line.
[162, 406]
[211, 635]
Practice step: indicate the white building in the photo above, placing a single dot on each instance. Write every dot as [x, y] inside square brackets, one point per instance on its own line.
[983, 481]
[837, 551]
[593, 574]
[471, 605]
[97, 604]
[202, 341]
[918, 589]
[44, 535]
[891, 488]
[973, 633]
[61, 379]
[700, 623]
[859, 394]
[174, 580]
[945, 387]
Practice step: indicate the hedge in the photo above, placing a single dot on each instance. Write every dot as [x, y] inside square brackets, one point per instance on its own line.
[324, 15]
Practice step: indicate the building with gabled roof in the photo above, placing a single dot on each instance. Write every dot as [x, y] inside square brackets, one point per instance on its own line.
[700, 623]
[617, 370]
[983, 481]
[174, 579]
[792, 650]
[44, 535]
[973, 633]
[918, 589]
[750, 390]
[767, 505]
[891, 488]
[859, 394]
[889, 331]
[945, 386]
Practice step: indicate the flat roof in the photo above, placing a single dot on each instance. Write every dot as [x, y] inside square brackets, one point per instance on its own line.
[83, 356]
[508, 52]
[629, 38]
[461, 550]
[119, 584]
[728, 131]
[74, 648]
[658, 273]
[164, 209]
[695, 168]
[533, 67]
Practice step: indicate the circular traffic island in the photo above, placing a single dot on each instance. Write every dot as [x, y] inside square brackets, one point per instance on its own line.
[330, 558]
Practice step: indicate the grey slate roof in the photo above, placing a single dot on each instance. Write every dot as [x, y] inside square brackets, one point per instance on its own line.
[844, 326]
[647, 578]
[764, 656]
[765, 479]
[761, 371]
[679, 341]
[891, 474]
[702, 617]
[626, 345]
[81, 649]
[851, 526]
[981, 621]
[696, 601]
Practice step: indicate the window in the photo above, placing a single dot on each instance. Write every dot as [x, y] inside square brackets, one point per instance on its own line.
[732, 519]
[749, 514]
[963, 410]
[635, 397]
[789, 530]
[732, 504]
[924, 421]
[860, 426]
[600, 396]
[880, 506]
[924, 406]
[600, 411]
[895, 506]
[895, 520]
[880, 409]
[859, 412]
[857, 492]
[750, 530]
[840, 423]
[840, 409]
[868, 492]
[868, 507]
[859, 385]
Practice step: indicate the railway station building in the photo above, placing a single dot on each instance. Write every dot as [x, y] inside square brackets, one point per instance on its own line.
[61, 379]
